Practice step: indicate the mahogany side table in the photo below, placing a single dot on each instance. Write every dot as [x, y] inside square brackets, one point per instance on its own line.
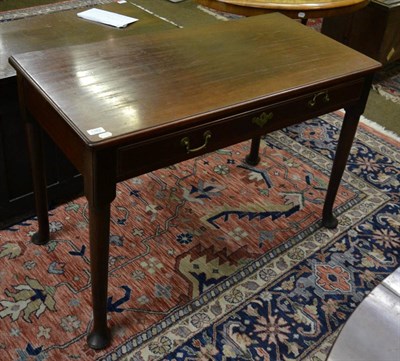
[127, 106]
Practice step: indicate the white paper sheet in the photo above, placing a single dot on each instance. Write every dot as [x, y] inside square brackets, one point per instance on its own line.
[107, 17]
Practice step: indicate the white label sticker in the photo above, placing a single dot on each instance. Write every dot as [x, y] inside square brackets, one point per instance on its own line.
[105, 135]
[96, 131]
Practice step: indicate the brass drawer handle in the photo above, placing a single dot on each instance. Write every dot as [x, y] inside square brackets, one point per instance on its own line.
[263, 119]
[313, 101]
[185, 142]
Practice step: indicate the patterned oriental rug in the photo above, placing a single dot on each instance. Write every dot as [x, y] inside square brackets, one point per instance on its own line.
[387, 82]
[212, 259]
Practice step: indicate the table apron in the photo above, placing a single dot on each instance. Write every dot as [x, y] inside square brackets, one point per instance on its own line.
[55, 125]
[151, 154]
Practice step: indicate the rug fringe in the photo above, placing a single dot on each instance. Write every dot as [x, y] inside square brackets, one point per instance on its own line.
[374, 125]
[380, 128]
[381, 91]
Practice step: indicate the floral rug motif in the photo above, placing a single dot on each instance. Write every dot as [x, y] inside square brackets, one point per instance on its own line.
[212, 259]
[387, 82]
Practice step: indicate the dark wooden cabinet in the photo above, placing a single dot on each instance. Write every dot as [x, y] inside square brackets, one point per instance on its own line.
[16, 197]
[373, 30]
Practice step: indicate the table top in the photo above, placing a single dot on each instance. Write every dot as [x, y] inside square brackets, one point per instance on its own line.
[66, 28]
[143, 85]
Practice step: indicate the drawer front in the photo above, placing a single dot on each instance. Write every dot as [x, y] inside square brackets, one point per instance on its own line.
[305, 107]
[145, 156]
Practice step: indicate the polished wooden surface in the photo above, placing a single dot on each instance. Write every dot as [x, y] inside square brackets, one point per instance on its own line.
[166, 97]
[144, 84]
[297, 9]
[55, 30]
[65, 28]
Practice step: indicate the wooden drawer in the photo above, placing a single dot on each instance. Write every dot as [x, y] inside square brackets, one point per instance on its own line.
[165, 150]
